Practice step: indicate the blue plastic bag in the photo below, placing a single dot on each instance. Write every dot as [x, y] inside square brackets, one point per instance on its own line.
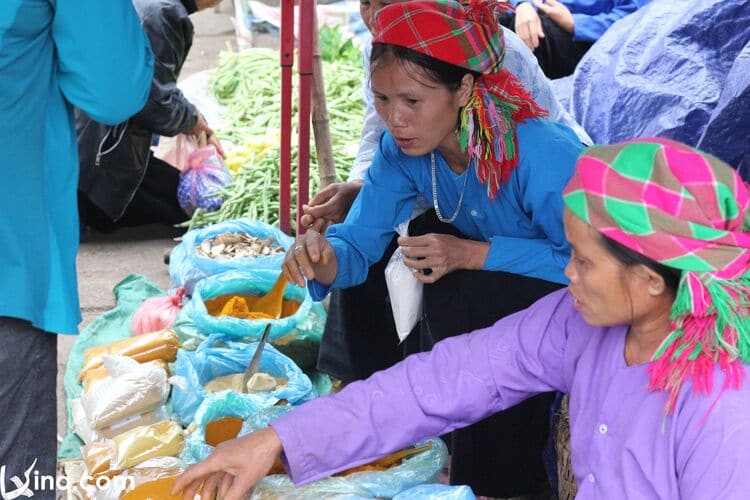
[673, 70]
[210, 361]
[414, 471]
[257, 282]
[186, 267]
[437, 491]
[216, 406]
[301, 343]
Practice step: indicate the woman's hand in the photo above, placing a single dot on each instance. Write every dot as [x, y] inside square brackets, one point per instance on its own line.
[558, 13]
[311, 257]
[232, 469]
[205, 136]
[442, 254]
[330, 205]
[528, 26]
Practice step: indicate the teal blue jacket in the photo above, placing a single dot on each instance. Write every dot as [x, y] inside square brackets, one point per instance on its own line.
[56, 54]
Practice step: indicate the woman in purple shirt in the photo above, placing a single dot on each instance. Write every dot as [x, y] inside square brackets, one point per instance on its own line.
[651, 340]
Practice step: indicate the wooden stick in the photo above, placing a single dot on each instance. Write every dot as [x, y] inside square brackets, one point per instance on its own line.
[321, 130]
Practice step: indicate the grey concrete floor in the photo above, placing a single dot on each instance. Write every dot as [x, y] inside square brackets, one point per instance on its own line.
[105, 260]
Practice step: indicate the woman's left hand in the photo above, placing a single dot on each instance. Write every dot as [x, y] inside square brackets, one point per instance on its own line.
[442, 254]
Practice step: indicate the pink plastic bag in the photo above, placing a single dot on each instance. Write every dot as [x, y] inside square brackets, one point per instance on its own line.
[178, 150]
[157, 313]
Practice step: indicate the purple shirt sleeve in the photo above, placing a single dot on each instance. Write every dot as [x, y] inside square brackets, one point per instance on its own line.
[461, 381]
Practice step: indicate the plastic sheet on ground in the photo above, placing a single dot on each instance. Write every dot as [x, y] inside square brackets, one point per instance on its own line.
[209, 361]
[679, 70]
[109, 327]
[257, 283]
[414, 471]
[344, 13]
[187, 267]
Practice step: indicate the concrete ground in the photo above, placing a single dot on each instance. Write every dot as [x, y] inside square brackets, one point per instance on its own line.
[105, 260]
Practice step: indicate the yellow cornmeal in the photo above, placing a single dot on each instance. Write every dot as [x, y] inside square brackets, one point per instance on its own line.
[260, 382]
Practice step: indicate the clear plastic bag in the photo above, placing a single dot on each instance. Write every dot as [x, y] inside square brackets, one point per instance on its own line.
[148, 347]
[132, 390]
[111, 456]
[186, 266]
[83, 429]
[404, 290]
[437, 492]
[210, 361]
[413, 471]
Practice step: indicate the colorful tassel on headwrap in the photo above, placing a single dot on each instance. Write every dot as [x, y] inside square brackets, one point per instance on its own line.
[470, 38]
[488, 126]
[688, 210]
[710, 325]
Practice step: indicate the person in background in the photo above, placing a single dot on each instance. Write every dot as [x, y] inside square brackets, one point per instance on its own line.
[561, 31]
[651, 340]
[53, 55]
[464, 134]
[353, 349]
[122, 184]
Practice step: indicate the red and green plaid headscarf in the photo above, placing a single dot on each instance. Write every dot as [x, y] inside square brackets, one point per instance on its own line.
[690, 211]
[471, 38]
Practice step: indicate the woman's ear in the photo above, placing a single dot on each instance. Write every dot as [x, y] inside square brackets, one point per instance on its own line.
[465, 90]
[655, 282]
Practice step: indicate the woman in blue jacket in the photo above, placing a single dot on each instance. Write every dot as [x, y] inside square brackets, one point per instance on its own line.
[54, 54]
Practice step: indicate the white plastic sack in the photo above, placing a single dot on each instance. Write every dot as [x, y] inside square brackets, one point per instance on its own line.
[133, 389]
[404, 289]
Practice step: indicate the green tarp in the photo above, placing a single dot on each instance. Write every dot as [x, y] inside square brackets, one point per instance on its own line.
[109, 327]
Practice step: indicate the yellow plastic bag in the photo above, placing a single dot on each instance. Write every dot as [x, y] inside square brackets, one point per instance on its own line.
[163, 439]
[156, 345]
[110, 457]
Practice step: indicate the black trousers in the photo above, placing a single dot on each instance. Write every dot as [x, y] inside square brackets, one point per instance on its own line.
[500, 456]
[155, 202]
[558, 54]
[28, 404]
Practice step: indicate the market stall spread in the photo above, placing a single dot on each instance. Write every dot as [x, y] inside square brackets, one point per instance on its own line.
[156, 383]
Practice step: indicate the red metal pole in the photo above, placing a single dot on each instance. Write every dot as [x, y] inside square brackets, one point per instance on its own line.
[285, 160]
[305, 68]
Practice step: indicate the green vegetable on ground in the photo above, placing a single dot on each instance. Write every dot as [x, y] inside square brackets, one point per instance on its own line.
[249, 84]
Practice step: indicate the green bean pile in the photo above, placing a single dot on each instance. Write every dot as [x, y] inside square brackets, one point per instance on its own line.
[249, 84]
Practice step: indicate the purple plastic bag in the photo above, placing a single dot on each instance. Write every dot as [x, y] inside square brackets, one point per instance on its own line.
[201, 181]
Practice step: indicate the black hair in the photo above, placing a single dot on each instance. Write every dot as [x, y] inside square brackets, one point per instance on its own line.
[630, 257]
[439, 71]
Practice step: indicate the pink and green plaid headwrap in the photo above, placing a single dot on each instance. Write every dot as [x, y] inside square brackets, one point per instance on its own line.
[687, 210]
[471, 38]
